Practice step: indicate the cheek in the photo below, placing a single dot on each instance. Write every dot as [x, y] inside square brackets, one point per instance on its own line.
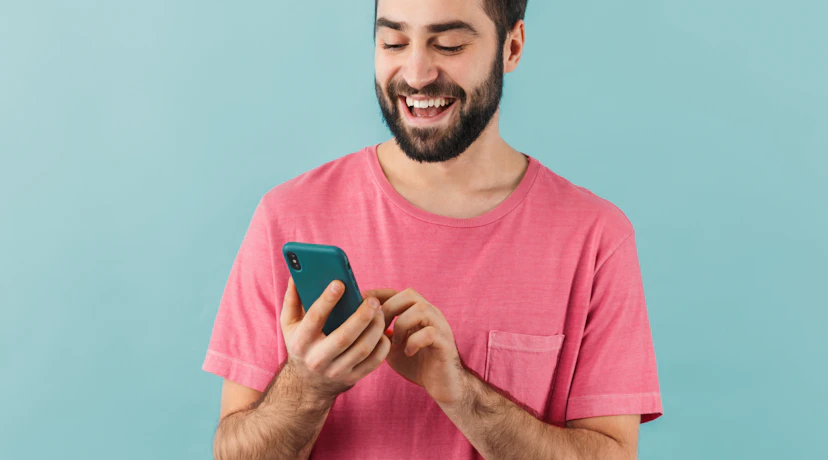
[383, 67]
[383, 77]
[466, 73]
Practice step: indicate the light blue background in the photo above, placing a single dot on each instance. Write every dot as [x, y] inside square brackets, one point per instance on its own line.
[137, 137]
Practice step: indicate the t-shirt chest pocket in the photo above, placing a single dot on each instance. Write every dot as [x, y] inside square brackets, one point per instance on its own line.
[523, 365]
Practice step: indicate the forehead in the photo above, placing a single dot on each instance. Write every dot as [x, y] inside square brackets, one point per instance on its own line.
[417, 15]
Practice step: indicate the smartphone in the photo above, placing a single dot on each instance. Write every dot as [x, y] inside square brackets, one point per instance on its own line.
[313, 267]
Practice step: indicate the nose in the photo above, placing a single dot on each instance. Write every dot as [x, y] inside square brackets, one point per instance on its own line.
[419, 68]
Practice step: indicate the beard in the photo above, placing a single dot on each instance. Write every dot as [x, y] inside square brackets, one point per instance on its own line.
[435, 144]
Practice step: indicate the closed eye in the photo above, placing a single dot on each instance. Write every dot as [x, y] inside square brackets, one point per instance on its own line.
[450, 49]
[447, 49]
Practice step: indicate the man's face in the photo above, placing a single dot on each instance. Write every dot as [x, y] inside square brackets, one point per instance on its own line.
[456, 75]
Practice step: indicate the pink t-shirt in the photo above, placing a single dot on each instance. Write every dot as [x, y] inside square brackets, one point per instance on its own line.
[543, 294]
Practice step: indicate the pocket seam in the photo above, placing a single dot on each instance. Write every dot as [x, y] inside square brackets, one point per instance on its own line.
[558, 346]
[536, 350]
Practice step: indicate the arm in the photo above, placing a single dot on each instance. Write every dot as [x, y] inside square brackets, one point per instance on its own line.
[424, 352]
[283, 422]
[499, 428]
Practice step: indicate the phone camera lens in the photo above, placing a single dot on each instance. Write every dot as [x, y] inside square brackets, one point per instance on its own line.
[294, 261]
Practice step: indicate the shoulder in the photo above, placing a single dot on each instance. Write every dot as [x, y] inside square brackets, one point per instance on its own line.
[583, 208]
[322, 184]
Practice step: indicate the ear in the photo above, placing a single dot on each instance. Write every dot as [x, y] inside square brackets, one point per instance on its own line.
[513, 46]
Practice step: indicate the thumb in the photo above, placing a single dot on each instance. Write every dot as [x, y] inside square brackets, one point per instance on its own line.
[292, 311]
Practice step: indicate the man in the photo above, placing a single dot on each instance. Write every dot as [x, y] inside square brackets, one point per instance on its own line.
[512, 321]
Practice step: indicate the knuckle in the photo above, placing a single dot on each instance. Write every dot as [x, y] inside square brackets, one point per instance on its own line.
[367, 315]
[379, 319]
[382, 349]
[408, 291]
[385, 346]
[340, 341]
[313, 316]
[297, 346]
[332, 374]
[363, 352]
[313, 363]
[375, 362]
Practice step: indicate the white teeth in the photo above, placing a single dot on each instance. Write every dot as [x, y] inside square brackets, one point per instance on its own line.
[439, 102]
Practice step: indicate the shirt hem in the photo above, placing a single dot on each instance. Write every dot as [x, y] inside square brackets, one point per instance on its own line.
[646, 404]
[236, 370]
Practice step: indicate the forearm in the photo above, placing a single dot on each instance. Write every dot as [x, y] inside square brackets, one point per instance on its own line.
[284, 423]
[498, 428]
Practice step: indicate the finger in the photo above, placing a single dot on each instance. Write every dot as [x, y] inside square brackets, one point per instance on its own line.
[361, 348]
[416, 317]
[292, 311]
[317, 314]
[398, 303]
[423, 338]
[374, 360]
[381, 294]
[349, 331]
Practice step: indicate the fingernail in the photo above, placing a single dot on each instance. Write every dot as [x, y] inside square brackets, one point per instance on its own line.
[335, 287]
[374, 302]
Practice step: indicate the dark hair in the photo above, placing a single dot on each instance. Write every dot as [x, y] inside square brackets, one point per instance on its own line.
[504, 14]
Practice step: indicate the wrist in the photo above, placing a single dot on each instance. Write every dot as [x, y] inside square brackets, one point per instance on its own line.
[293, 388]
[462, 392]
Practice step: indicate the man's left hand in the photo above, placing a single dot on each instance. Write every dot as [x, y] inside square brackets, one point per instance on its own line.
[423, 348]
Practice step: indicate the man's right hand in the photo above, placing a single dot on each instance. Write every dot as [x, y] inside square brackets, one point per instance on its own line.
[332, 364]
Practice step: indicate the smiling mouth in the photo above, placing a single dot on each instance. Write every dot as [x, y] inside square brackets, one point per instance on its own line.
[426, 108]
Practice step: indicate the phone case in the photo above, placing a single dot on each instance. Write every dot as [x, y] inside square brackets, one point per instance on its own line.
[319, 265]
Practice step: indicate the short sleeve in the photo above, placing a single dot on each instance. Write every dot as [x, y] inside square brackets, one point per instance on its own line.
[616, 368]
[246, 345]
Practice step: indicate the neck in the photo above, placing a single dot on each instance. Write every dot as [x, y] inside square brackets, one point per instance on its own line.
[488, 164]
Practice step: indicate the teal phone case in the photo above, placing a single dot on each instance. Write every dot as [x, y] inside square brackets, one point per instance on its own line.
[319, 265]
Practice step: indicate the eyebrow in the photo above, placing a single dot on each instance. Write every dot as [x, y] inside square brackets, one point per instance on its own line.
[431, 28]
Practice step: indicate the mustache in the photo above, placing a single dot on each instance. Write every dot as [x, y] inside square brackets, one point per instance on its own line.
[432, 90]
